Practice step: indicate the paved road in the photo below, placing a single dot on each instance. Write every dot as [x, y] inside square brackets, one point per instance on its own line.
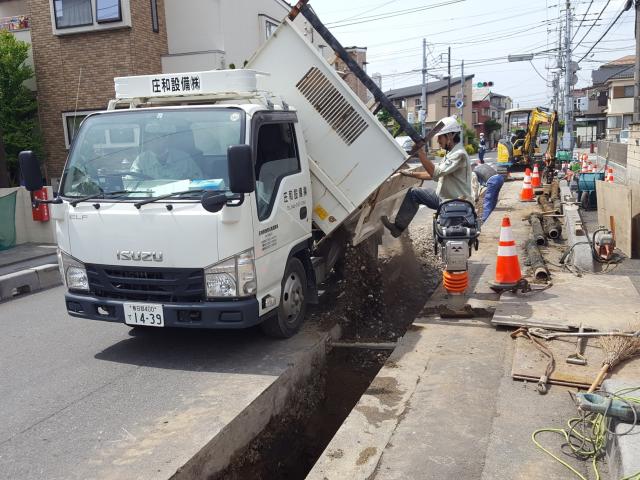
[84, 399]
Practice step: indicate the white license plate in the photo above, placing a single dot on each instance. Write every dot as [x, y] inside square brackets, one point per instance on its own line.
[148, 314]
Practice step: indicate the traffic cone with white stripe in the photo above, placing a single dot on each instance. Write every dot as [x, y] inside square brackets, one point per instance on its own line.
[535, 178]
[508, 272]
[526, 194]
[610, 176]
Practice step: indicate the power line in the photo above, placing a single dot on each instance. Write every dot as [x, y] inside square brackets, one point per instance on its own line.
[624, 9]
[397, 13]
[582, 21]
[596, 21]
[363, 13]
[493, 21]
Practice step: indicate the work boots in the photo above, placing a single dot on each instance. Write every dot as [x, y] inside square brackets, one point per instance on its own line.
[391, 226]
[406, 212]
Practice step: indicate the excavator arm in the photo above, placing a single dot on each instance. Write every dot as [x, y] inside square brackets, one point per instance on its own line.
[537, 118]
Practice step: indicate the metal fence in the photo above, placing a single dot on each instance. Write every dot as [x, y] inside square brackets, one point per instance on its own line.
[616, 152]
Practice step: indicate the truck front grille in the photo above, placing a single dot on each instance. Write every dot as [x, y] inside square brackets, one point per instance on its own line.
[146, 284]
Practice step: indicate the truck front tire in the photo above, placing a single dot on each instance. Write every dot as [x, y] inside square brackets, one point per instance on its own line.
[293, 303]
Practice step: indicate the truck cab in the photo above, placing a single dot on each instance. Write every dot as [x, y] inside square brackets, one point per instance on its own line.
[221, 199]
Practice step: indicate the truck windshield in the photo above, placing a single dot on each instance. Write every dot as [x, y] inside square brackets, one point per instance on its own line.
[152, 152]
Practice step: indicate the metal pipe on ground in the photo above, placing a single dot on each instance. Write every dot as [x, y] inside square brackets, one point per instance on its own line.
[552, 227]
[537, 233]
[536, 261]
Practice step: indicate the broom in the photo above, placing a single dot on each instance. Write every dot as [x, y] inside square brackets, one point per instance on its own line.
[616, 349]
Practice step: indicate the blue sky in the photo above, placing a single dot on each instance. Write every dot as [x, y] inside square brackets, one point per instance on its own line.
[482, 33]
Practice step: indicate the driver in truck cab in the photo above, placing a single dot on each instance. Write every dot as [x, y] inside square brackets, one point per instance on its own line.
[161, 160]
[453, 175]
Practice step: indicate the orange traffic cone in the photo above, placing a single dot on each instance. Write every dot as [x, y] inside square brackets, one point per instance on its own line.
[535, 178]
[610, 176]
[507, 266]
[526, 194]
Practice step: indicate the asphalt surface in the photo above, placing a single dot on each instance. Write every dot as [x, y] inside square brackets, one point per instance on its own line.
[84, 399]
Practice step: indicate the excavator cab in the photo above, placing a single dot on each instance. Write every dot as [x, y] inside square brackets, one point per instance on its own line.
[520, 145]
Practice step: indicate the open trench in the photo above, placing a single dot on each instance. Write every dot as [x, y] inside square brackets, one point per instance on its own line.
[374, 302]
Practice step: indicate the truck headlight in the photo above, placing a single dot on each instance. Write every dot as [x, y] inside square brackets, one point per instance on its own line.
[233, 277]
[73, 272]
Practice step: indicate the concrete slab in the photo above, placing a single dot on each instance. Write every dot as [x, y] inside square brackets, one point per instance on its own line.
[570, 301]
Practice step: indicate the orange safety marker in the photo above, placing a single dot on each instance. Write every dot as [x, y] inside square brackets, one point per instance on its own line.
[610, 176]
[508, 272]
[526, 194]
[535, 178]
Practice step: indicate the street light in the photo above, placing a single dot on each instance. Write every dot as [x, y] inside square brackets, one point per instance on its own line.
[525, 57]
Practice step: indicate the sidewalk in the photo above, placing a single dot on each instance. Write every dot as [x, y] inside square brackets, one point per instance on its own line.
[445, 405]
[27, 268]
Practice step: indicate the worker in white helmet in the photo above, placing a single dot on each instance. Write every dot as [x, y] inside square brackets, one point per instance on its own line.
[482, 148]
[453, 175]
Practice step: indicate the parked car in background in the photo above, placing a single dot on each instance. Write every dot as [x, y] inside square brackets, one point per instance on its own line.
[624, 136]
[544, 137]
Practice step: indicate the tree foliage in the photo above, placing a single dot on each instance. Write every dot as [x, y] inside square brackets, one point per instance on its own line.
[18, 107]
[491, 125]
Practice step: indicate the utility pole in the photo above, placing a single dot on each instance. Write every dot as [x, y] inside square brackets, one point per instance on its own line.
[636, 74]
[423, 99]
[462, 83]
[556, 76]
[567, 140]
[449, 82]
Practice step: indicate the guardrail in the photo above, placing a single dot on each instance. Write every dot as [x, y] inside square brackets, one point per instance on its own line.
[615, 151]
[18, 22]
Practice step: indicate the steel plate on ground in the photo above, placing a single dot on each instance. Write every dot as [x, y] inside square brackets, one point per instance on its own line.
[597, 304]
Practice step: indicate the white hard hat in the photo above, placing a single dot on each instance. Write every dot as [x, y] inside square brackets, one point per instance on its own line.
[451, 125]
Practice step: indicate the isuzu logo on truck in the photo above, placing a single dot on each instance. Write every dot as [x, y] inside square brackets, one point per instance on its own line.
[139, 256]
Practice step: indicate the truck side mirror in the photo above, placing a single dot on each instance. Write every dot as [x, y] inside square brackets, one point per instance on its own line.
[213, 201]
[240, 169]
[30, 170]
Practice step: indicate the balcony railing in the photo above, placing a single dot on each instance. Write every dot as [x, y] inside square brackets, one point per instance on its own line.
[18, 22]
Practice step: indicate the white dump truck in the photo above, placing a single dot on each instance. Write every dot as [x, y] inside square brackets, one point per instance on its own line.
[221, 199]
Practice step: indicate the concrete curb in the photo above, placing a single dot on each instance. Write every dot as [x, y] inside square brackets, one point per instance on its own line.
[582, 256]
[217, 454]
[28, 281]
[622, 448]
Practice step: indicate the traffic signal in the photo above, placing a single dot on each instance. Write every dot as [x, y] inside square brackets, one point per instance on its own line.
[484, 84]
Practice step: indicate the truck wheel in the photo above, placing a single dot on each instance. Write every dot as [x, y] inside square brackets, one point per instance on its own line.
[293, 303]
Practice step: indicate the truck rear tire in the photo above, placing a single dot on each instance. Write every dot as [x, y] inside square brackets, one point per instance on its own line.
[293, 303]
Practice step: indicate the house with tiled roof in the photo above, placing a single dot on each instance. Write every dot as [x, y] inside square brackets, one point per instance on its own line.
[616, 79]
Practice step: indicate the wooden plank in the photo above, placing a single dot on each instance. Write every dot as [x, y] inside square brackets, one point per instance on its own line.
[529, 363]
[614, 200]
[588, 301]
